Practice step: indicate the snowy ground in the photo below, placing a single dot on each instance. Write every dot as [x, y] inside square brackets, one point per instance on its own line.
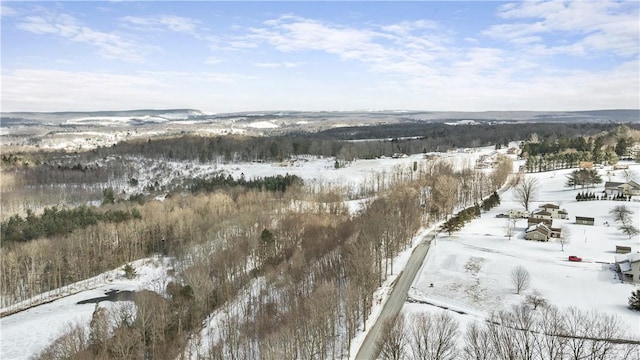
[470, 270]
[25, 334]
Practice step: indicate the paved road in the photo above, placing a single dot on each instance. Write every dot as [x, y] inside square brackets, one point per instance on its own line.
[393, 305]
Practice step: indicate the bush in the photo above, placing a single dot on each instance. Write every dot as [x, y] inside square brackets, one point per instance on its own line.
[634, 300]
[129, 271]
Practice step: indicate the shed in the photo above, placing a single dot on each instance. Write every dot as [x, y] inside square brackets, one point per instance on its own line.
[623, 249]
[582, 220]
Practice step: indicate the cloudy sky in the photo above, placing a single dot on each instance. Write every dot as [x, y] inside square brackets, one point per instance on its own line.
[248, 56]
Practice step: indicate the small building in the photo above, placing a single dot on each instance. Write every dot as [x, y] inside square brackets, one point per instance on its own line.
[629, 267]
[582, 220]
[538, 232]
[623, 249]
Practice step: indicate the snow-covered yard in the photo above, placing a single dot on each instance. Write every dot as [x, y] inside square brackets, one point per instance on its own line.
[471, 269]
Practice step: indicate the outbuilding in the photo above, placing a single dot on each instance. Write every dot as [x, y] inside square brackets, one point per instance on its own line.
[582, 220]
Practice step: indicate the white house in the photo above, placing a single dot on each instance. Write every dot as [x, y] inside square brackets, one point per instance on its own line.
[555, 211]
[518, 214]
[628, 188]
[629, 265]
[538, 232]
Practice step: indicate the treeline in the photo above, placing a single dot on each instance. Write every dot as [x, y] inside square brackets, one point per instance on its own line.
[269, 183]
[562, 152]
[54, 221]
[407, 137]
[464, 216]
[524, 331]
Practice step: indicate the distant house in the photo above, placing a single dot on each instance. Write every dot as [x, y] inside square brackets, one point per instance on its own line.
[518, 214]
[619, 188]
[582, 220]
[629, 267]
[541, 214]
[585, 164]
[534, 221]
[538, 232]
[630, 188]
[555, 211]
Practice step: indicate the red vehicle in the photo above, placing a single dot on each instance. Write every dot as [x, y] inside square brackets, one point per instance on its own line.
[575, 258]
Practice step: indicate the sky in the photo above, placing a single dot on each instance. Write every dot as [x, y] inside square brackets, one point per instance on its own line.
[358, 55]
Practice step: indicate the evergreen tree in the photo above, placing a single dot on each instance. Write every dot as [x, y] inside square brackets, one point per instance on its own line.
[634, 300]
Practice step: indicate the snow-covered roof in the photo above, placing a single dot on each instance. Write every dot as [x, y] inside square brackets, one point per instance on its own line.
[627, 258]
[625, 266]
[612, 184]
[549, 206]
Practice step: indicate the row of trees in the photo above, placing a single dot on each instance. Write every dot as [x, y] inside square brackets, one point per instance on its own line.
[522, 332]
[53, 222]
[562, 152]
[583, 177]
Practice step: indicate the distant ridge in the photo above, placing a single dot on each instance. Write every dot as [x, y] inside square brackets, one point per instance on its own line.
[142, 117]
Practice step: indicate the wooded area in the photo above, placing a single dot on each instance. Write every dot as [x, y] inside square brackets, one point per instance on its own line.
[292, 270]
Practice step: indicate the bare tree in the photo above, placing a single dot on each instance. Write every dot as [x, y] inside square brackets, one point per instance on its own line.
[509, 227]
[520, 278]
[477, 343]
[629, 230]
[392, 344]
[564, 237]
[435, 337]
[621, 214]
[551, 324]
[68, 346]
[526, 191]
[536, 300]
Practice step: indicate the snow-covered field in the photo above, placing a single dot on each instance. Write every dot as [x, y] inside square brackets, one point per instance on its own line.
[471, 269]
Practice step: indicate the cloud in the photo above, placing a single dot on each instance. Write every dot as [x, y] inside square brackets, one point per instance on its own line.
[211, 60]
[172, 23]
[7, 11]
[593, 26]
[278, 65]
[110, 45]
[405, 48]
[56, 90]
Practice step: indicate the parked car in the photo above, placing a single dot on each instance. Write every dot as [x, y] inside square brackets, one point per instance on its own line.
[575, 258]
